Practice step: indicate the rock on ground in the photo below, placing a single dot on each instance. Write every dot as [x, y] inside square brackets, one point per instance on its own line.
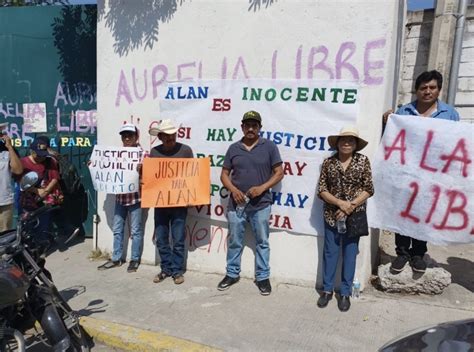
[432, 282]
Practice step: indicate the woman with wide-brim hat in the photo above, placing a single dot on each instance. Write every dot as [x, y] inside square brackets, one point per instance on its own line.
[345, 184]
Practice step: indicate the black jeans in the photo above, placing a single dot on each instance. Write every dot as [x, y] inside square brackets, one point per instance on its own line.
[403, 243]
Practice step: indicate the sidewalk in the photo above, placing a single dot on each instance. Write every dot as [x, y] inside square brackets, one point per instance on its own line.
[240, 318]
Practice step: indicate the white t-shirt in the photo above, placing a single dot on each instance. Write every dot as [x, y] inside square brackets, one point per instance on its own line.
[6, 192]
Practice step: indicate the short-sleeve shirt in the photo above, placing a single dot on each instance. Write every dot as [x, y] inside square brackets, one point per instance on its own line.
[346, 185]
[252, 168]
[443, 111]
[47, 171]
[179, 151]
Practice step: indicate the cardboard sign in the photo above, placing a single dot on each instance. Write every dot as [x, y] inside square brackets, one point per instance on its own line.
[34, 117]
[424, 180]
[175, 182]
[114, 169]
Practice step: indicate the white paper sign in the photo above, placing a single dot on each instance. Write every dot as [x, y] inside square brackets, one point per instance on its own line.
[34, 117]
[114, 169]
[297, 115]
[423, 179]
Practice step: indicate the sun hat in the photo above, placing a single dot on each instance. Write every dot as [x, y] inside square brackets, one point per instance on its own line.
[166, 126]
[348, 131]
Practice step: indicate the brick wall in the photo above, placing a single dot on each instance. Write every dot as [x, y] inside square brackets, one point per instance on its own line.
[415, 60]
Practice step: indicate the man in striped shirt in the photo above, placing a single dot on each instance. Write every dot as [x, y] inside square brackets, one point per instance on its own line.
[128, 203]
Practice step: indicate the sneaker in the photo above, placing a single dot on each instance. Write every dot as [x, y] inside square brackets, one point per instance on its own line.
[178, 279]
[399, 263]
[264, 287]
[324, 299]
[418, 264]
[160, 277]
[133, 266]
[109, 264]
[226, 282]
[344, 303]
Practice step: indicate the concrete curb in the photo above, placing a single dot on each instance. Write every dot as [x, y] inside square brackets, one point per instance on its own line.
[129, 338]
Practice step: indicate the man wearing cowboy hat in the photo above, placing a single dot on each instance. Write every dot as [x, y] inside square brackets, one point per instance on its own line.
[172, 257]
[9, 164]
[252, 166]
[127, 204]
[427, 104]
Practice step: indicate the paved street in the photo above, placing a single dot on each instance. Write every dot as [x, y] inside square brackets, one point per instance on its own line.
[240, 318]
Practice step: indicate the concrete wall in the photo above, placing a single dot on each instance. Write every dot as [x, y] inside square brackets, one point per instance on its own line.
[415, 58]
[239, 39]
[465, 93]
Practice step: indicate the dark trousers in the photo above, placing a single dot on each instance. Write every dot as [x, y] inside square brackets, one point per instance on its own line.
[403, 244]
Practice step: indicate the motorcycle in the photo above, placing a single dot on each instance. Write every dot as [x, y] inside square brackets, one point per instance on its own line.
[28, 294]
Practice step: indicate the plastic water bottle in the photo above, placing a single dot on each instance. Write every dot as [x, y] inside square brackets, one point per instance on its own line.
[240, 208]
[341, 225]
[356, 289]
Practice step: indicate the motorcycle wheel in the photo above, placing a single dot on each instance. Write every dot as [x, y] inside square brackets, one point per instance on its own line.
[78, 336]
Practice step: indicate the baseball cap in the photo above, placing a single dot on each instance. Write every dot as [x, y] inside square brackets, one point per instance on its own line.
[40, 146]
[252, 115]
[128, 127]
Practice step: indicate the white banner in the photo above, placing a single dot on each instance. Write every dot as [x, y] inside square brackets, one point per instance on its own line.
[114, 169]
[297, 115]
[423, 179]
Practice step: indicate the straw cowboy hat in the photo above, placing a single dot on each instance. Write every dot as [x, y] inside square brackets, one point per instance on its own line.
[165, 126]
[348, 131]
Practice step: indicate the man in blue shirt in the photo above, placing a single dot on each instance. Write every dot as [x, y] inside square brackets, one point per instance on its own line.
[427, 86]
[252, 166]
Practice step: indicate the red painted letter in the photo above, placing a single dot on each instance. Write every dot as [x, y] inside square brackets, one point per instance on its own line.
[402, 147]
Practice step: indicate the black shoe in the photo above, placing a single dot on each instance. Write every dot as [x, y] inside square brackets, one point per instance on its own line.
[264, 287]
[226, 282]
[109, 264]
[399, 263]
[133, 266]
[418, 264]
[324, 299]
[344, 303]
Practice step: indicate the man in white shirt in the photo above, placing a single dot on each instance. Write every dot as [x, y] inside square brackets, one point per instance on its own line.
[9, 164]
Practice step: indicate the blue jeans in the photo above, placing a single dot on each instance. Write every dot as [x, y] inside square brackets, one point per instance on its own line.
[136, 230]
[172, 256]
[333, 240]
[259, 221]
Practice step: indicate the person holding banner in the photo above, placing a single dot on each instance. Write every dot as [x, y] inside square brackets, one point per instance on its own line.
[172, 257]
[127, 204]
[427, 104]
[10, 164]
[252, 166]
[345, 184]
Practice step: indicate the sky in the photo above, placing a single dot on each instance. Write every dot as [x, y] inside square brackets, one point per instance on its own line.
[414, 5]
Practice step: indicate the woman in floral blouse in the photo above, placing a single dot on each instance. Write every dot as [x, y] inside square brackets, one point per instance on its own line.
[345, 184]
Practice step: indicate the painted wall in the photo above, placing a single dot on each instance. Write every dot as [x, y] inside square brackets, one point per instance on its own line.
[139, 49]
[48, 56]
